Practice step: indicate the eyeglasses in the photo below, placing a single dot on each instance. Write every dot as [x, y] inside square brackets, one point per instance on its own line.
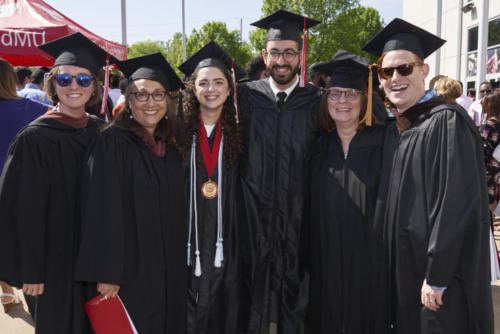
[404, 70]
[158, 96]
[64, 80]
[288, 55]
[485, 91]
[336, 94]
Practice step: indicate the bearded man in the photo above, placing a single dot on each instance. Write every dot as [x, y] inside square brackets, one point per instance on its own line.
[280, 120]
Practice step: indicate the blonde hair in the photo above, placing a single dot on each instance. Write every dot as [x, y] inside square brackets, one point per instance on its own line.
[448, 88]
[8, 81]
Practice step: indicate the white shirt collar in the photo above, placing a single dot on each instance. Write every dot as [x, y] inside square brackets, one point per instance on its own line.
[288, 91]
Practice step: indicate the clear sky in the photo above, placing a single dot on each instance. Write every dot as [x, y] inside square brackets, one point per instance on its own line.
[160, 19]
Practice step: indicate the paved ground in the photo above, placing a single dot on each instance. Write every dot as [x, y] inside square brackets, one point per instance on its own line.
[18, 321]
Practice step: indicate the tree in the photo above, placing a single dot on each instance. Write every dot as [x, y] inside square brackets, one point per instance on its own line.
[143, 48]
[344, 25]
[172, 49]
[228, 40]
[174, 52]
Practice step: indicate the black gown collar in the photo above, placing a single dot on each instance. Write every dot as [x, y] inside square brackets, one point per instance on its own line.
[407, 119]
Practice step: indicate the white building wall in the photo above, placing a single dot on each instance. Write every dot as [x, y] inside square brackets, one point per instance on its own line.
[452, 63]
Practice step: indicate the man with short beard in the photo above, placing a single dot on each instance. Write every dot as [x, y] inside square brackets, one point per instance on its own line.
[280, 120]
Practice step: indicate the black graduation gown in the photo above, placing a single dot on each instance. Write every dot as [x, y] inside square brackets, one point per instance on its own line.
[343, 195]
[214, 297]
[133, 229]
[275, 143]
[436, 221]
[39, 219]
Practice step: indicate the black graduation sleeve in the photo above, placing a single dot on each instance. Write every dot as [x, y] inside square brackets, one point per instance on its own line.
[23, 196]
[454, 183]
[102, 255]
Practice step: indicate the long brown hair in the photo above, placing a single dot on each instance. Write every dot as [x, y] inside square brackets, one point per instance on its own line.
[165, 129]
[232, 137]
[8, 81]
[491, 105]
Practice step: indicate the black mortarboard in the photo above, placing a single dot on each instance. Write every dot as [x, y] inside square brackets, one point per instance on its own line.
[152, 67]
[401, 35]
[316, 68]
[77, 50]
[284, 25]
[211, 55]
[347, 70]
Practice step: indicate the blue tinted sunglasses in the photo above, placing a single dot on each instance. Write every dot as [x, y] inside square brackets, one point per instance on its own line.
[64, 80]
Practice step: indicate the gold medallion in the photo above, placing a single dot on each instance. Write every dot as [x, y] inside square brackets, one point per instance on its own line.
[209, 189]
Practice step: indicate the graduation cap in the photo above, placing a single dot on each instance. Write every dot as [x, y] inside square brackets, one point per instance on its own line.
[284, 25]
[348, 70]
[402, 35]
[78, 50]
[211, 55]
[316, 68]
[151, 67]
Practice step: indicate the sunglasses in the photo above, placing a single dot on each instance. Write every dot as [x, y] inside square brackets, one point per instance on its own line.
[485, 91]
[404, 70]
[64, 80]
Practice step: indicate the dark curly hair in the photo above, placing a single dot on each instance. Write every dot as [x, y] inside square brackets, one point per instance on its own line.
[230, 129]
[165, 130]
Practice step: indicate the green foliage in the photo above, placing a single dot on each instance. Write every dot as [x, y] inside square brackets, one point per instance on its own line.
[143, 48]
[172, 49]
[344, 25]
[350, 30]
[257, 39]
[228, 40]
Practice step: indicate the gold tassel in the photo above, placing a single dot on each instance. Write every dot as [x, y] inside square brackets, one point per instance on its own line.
[369, 105]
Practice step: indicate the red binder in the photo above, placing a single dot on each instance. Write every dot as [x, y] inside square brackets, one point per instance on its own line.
[109, 316]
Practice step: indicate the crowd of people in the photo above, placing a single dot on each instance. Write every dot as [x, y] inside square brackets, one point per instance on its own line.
[358, 202]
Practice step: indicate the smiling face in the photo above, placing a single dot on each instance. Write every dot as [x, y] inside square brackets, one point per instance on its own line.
[211, 89]
[282, 71]
[404, 91]
[345, 112]
[73, 98]
[150, 112]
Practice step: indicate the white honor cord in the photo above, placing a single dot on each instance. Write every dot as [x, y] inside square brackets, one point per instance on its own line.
[193, 206]
[219, 250]
[190, 208]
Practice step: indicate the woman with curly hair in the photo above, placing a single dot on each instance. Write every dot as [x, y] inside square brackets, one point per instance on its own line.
[210, 152]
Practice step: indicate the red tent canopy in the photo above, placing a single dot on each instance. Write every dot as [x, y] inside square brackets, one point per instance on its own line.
[26, 24]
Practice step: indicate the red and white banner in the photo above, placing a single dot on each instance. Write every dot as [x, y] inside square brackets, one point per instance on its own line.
[26, 24]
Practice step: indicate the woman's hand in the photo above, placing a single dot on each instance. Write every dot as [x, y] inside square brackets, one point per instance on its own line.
[108, 290]
[33, 289]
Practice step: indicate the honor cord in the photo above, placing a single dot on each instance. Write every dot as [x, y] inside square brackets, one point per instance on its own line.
[219, 250]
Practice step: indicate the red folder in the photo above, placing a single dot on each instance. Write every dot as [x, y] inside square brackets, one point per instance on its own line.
[108, 315]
